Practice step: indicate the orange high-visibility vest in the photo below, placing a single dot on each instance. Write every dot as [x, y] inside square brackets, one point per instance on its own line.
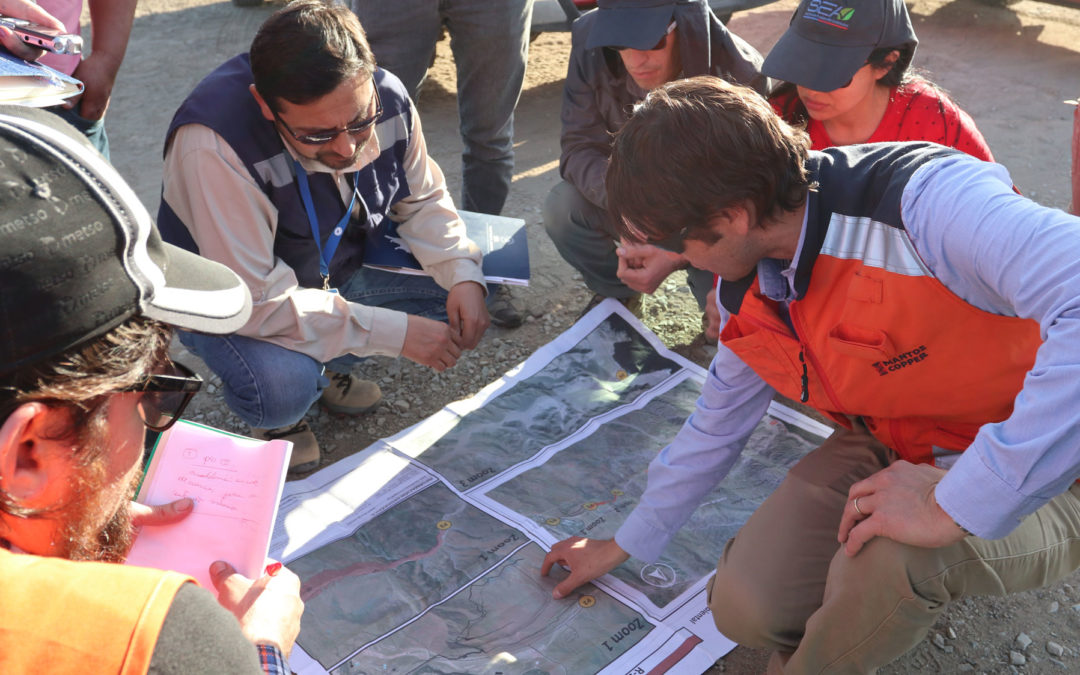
[876, 334]
[59, 616]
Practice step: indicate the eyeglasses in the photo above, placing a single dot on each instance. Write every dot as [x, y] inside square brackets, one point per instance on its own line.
[166, 395]
[674, 242]
[324, 137]
[659, 45]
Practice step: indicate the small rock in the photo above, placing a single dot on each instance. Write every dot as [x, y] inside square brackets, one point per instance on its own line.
[1076, 607]
[1067, 588]
[401, 405]
[951, 633]
[1023, 641]
[1016, 658]
[1053, 607]
[966, 668]
[211, 388]
[939, 641]
[1054, 649]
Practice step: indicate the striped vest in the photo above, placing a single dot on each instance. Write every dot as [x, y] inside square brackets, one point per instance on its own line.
[880, 336]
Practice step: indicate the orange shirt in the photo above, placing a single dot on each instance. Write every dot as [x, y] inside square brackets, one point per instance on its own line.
[60, 616]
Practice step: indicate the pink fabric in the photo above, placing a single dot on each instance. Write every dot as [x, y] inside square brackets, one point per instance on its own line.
[68, 11]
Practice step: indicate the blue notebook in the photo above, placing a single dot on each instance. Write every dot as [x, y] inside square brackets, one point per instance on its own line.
[502, 241]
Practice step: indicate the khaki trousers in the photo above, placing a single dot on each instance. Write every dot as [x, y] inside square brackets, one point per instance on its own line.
[784, 583]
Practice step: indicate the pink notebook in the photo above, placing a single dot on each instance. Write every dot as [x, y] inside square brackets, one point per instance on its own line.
[236, 483]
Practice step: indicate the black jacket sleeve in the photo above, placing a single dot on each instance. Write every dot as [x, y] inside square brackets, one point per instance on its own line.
[200, 636]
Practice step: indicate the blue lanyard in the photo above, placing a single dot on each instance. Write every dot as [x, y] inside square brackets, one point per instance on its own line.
[325, 254]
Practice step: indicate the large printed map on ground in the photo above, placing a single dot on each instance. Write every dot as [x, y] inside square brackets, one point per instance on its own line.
[422, 553]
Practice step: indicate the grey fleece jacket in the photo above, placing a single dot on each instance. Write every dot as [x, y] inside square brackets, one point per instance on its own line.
[599, 93]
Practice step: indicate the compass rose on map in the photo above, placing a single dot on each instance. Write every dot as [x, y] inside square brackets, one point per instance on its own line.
[658, 574]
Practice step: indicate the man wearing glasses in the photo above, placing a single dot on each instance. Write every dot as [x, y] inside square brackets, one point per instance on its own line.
[278, 164]
[619, 52]
[88, 292]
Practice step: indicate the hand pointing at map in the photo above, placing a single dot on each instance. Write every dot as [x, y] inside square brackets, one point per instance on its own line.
[585, 558]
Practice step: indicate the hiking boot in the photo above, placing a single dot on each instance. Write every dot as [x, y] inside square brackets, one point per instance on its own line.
[305, 450]
[504, 309]
[633, 303]
[348, 395]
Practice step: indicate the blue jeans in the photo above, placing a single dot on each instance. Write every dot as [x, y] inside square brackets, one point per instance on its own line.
[94, 130]
[269, 386]
[490, 41]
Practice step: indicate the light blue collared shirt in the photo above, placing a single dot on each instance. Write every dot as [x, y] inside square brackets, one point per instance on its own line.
[999, 252]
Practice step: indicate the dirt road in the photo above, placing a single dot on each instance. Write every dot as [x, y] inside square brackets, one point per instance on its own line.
[1009, 67]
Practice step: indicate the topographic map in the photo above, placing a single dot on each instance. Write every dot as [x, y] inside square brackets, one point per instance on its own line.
[435, 568]
[610, 367]
[588, 487]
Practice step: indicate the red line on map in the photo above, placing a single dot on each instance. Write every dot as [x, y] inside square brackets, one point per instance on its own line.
[320, 581]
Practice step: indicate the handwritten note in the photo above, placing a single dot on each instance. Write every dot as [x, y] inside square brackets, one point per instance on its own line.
[236, 483]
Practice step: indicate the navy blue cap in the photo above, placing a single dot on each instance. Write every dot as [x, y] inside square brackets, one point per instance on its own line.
[828, 41]
[638, 24]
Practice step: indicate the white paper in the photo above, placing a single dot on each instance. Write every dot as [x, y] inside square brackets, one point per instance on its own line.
[236, 484]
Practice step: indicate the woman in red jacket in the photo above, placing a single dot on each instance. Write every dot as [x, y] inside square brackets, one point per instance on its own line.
[845, 74]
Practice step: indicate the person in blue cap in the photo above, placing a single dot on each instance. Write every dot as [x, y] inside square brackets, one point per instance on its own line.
[846, 75]
[619, 52]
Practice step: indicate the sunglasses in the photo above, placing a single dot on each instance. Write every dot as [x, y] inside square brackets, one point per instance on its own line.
[324, 137]
[166, 395]
[659, 45]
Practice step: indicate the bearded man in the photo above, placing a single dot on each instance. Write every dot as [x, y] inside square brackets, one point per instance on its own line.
[84, 370]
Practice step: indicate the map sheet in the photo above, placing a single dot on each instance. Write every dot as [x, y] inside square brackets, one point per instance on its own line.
[421, 553]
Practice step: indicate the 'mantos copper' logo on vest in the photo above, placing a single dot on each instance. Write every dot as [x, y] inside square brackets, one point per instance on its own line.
[902, 361]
